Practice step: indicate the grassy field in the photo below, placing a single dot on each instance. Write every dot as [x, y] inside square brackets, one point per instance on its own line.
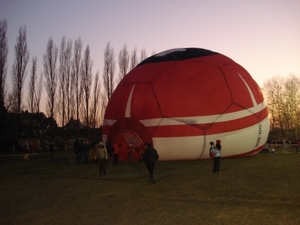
[262, 189]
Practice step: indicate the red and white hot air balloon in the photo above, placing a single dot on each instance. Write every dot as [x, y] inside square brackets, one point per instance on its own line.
[182, 99]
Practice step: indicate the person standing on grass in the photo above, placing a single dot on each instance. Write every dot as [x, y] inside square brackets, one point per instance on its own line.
[27, 147]
[297, 146]
[116, 152]
[109, 149]
[131, 153]
[81, 151]
[51, 150]
[34, 148]
[150, 157]
[217, 157]
[86, 156]
[101, 153]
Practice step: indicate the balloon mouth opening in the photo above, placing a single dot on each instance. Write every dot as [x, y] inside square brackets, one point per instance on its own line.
[128, 136]
[126, 139]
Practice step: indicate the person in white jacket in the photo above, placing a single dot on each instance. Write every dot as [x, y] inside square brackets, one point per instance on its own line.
[217, 157]
[101, 153]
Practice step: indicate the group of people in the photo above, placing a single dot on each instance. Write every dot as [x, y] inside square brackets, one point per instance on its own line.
[150, 156]
[30, 147]
[82, 148]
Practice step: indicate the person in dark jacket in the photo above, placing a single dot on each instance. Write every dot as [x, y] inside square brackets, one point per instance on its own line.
[51, 150]
[109, 149]
[81, 151]
[150, 157]
[116, 150]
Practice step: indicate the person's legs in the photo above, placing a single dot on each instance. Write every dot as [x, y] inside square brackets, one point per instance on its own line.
[99, 165]
[215, 165]
[103, 166]
[131, 158]
[218, 164]
[151, 171]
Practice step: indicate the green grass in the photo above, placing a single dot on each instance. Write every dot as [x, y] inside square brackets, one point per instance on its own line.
[262, 189]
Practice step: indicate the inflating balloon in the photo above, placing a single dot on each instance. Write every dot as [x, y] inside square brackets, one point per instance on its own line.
[182, 99]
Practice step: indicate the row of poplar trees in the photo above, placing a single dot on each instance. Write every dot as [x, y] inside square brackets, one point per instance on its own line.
[72, 90]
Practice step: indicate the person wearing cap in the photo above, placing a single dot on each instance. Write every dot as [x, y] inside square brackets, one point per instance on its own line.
[150, 157]
[217, 157]
[101, 153]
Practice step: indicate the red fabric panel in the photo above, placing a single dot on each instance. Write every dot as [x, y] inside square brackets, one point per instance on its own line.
[144, 104]
[189, 88]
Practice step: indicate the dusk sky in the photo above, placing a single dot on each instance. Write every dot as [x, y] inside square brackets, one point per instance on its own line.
[261, 35]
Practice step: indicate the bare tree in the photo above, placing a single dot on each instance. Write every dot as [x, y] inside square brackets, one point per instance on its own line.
[19, 66]
[112, 69]
[38, 88]
[31, 86]
[282, 97]
[68, 87]
[96, 101]
[75, 80]
[62, 81]
[292, 103]
[3, 70]
[10, 102]
[133, 59]
[64, 78]
[123, 62]
[3, 59]
[86, 82]
[143, 54]
[274, 97]
[103, 105]
[108, 70]
[49, 62]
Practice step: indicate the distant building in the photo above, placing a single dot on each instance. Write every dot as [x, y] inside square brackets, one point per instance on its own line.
[73, 126]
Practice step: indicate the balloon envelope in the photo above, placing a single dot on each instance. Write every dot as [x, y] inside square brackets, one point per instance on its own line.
[181, 100]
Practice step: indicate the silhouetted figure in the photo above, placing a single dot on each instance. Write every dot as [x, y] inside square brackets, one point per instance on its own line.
[116, 150]
[101, 153]
[51, 150]
[217, 157]
[131, 152]
[150, 157]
